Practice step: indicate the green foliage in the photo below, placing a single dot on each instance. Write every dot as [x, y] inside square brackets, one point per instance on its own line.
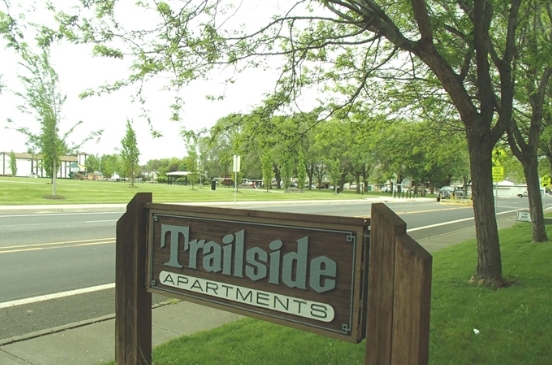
[111, 164]
[286, 170]
[130, 154]
[191, 162]
[301, 170]
[436, 61]
[43, 100]
[268, 173]
[101, 50]
[13, 164]
[92, 164]
[335, 171]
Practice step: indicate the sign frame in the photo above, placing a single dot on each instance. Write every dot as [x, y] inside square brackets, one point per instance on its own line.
[396, 304]
[353, 331]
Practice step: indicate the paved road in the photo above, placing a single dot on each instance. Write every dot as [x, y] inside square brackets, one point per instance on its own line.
[42, 254]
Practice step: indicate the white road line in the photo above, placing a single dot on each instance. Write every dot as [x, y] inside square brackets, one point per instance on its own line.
[64, 294]
[58, 214]
[451, 222]
[102, 221]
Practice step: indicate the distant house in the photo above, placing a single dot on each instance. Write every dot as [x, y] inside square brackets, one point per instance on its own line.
[29, 164]
[151, 176]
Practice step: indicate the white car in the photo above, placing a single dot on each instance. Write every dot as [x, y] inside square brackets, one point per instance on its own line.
[525, 194]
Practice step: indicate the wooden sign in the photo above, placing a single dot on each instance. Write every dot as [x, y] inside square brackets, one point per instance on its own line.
[323, 274]
[299, 270]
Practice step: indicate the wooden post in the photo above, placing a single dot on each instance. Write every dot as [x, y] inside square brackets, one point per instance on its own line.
[399, 288]
[412, 303]
[384, 227]
[132, 301]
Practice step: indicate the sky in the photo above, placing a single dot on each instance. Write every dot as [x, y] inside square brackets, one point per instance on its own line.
[79, 70]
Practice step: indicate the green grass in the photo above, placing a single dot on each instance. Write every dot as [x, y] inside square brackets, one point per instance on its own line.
[515, 323]
[21, 191]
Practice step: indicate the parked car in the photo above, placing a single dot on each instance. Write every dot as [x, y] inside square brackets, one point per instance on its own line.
[525, 194]
[448, 192]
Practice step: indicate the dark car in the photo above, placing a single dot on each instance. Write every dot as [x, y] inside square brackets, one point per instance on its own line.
[448, 192]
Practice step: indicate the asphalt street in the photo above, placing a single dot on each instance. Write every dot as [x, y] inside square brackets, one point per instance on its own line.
[48, 254]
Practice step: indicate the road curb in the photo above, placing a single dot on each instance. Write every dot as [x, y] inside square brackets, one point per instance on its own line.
[68, 326]
[49, 331]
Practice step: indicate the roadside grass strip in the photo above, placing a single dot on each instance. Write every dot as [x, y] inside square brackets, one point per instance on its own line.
[34, 192]
[469, 324]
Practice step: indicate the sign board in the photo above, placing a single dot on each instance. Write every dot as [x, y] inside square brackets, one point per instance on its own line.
[498, 173]
[236, 163]
[300, 270]
[523, 216]
[305, 271]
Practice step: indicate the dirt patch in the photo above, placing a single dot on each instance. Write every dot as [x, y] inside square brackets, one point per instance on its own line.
[294, 190]
[56, 197]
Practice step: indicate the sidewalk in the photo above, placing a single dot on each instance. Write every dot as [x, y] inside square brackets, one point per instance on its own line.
[92, 342]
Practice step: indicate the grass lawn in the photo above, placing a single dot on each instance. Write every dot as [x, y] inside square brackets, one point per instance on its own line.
[515, 323]
[21, 191]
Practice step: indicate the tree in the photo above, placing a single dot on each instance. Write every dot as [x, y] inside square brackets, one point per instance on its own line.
[286, 169]
[9, 27]
[92, 164]
[524, 133]
[333, 139]
[335, 172]
[301, 170]
[13, 164]
[192, 140]
[130, 154]
[462, 52]
[111, 164]
[192, 165]
[268, 174]
[43, 100]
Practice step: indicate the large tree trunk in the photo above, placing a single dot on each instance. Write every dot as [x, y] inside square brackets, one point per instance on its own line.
[535, 200]
[489, 264]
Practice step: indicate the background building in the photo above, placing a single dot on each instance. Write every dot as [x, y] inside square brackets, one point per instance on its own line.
[31, 165]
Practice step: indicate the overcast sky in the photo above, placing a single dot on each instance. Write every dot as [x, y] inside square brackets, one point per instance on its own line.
[79, 71]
